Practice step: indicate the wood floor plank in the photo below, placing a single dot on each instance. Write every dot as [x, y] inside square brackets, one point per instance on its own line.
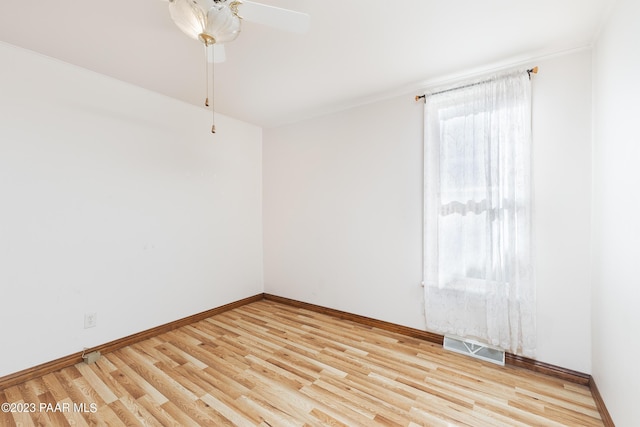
[162, 416]
[356, 415]
[230, 410]
[73, 395]
[130, 376]
[178, 414]
[76, 419]
[270, 364]
[92, 379]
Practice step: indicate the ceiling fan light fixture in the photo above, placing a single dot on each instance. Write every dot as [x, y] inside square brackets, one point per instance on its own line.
[210, 21]
[215, 22]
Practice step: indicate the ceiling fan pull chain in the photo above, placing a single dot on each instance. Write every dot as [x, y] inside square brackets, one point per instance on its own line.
[213, 94]
[206, 73]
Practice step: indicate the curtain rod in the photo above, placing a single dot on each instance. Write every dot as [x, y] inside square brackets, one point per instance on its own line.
[530, 71]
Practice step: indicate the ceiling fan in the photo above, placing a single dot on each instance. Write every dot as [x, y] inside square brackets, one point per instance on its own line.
[216, 22]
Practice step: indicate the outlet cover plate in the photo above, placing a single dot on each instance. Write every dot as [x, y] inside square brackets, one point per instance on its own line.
[90, 320]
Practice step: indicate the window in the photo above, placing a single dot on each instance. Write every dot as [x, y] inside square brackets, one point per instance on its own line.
[478, 270]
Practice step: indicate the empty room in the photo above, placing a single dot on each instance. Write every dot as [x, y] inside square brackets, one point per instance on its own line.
[300, 212]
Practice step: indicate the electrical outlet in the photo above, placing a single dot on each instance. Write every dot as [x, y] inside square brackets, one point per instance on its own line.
[90, 320]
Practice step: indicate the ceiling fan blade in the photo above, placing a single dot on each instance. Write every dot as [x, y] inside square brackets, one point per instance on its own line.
[277, 17]
[216, 53]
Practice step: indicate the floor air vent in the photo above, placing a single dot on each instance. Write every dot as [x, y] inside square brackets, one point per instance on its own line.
[474, 349]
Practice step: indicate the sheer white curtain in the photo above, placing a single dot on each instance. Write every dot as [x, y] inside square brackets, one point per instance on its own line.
[478, 228]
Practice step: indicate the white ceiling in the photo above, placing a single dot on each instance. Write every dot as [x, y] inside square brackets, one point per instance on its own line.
[354, 50]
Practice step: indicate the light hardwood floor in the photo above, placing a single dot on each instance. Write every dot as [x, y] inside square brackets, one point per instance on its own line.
[271, 364]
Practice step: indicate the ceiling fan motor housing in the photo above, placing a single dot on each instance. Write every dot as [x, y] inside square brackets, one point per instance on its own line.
[210, 21]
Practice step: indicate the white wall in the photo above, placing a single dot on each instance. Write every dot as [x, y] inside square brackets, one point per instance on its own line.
[117, 201]
[616, 230]
[342, 210]
[562, 191]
